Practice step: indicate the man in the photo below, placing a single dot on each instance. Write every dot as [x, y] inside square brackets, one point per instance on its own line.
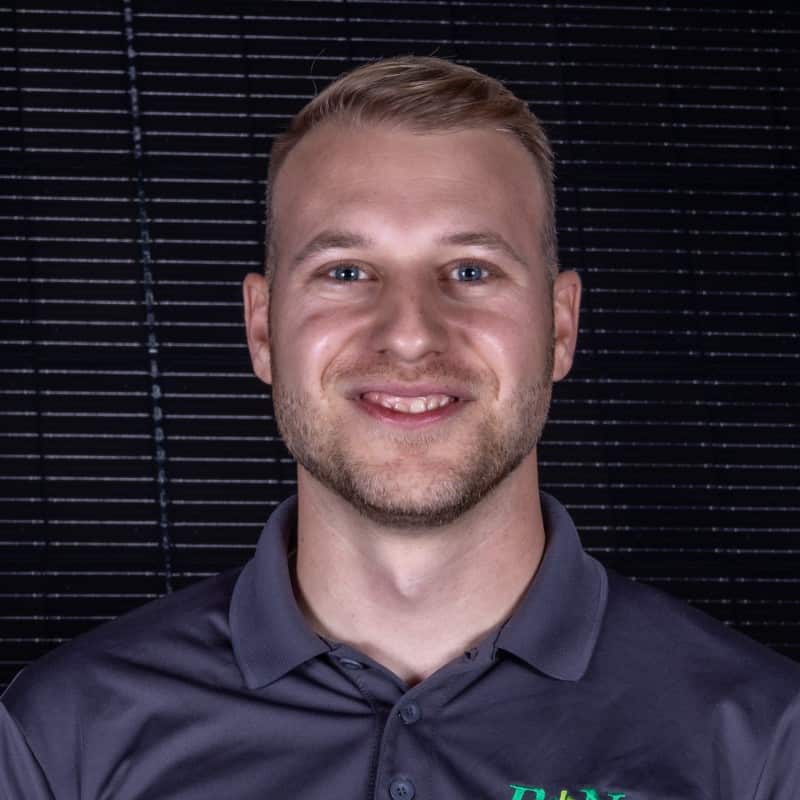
[419, 621]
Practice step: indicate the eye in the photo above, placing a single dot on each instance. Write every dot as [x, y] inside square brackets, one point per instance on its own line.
[347, 273]
[470, 273]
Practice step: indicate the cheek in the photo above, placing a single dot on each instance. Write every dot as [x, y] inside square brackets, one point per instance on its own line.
[512, 345]
[310, 340]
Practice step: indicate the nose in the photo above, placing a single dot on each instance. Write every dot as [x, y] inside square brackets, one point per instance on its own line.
[410, 324]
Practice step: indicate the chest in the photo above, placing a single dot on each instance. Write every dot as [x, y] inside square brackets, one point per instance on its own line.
[536, 743]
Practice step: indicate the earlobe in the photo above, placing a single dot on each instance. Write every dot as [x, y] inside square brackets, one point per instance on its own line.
[566, 310]
[255, 293]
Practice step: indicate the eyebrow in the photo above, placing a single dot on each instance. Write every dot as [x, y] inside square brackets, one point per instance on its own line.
[486, 239]
[344, 240]
[330, 240]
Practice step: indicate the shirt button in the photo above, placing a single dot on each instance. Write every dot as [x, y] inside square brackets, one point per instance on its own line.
[401, 789]
[350, 663]
[410, 713]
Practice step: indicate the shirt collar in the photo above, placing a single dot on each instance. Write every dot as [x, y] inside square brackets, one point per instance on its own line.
[555, 627]
[270, 635]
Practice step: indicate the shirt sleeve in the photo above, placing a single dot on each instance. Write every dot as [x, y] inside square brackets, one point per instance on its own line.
[780, 777]
[21, 776]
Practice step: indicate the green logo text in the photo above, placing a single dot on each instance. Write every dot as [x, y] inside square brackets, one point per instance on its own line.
[535, 793]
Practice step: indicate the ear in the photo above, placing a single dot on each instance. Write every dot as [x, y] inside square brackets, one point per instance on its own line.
[566, 308]
[255, 292]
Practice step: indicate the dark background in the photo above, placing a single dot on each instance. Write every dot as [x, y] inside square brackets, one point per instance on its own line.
[138, 452]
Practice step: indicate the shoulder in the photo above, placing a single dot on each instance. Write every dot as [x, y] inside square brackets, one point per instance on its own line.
[684, 651]
[711, 702]
[185, 634]
[89, 702]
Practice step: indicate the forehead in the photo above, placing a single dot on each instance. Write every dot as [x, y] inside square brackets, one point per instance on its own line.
[372, 175]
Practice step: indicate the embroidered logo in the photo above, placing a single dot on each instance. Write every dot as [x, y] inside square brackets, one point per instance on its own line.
[536, 793]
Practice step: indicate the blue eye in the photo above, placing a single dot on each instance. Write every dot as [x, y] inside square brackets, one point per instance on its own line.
[470, 273]
[346, 273]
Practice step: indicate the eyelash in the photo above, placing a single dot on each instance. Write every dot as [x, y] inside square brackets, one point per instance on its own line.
[486, 271]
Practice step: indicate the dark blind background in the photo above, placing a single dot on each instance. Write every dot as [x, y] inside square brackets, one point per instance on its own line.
[138, 452]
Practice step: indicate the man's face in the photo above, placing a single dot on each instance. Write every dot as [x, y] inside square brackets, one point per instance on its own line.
[411, 346]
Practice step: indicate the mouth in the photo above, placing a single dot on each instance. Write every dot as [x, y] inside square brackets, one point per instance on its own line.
[408, 410]
[409, 405]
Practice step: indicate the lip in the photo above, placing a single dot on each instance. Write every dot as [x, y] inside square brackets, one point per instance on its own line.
[412, 390]
[409, 421]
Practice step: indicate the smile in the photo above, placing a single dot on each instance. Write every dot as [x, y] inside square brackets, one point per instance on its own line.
[409, 405]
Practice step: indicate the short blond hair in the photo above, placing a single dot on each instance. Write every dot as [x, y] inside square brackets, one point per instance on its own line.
[425, 95]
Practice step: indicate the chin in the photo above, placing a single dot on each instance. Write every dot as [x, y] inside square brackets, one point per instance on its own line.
[410, 515]
[413, 498]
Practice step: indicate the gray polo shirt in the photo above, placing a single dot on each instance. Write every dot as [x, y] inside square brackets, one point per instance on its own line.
[596, 689]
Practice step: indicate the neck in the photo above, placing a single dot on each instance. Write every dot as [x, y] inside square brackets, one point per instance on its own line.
[415, 599]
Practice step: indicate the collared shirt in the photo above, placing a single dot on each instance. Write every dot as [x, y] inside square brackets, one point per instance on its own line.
[595, 689]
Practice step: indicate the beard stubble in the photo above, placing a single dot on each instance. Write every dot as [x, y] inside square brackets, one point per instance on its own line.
[497, 445]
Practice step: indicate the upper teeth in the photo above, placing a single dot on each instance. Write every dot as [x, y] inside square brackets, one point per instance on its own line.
[409, 405]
